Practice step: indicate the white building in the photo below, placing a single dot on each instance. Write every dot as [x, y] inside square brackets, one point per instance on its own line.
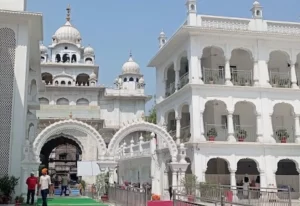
[228, 88]
[74, 100]
[20, 34]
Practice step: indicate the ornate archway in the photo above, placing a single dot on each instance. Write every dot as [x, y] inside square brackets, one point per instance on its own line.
[65, 126]
[143, 126]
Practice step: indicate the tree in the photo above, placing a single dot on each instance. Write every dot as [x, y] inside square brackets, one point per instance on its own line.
[152, 116]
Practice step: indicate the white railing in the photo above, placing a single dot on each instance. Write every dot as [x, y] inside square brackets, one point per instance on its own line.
[140, 149]
[184, 79]
[283, 27]
[225, 23]
[170, 89]
[124, 92]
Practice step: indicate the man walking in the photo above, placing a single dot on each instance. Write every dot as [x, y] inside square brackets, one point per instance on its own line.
[45, 182]
[64, 185]
[31, 185]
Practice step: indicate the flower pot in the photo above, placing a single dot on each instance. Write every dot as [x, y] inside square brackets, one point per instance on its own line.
[104, 198]
[283, 140]
[241, 139]
[211, 138]
[191, 198]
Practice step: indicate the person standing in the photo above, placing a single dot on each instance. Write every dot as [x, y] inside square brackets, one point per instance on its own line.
[64, 185]
[31, 186]
[45, 182]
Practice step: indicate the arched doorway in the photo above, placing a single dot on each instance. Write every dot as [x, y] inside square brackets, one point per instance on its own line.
[60, 155]
[83, 138]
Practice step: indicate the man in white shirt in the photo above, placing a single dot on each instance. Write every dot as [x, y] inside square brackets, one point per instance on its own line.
[45, 182]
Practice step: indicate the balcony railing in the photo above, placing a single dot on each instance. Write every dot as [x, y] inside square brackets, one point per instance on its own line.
[184, 79]
[213, 76]
[245, 133]
[280, 79]
[185, 133]
[242, 77]
[170, 89]
[222, 133]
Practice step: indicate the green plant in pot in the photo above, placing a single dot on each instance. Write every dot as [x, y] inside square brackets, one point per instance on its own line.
[211, 134]
[7, 188]
[282, 135]
[190, 183]
[241, 135]
[19, 199]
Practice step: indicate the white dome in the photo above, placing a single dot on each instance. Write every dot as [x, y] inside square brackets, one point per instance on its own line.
[93, 76]
[130, 67]
[43, 49]
[256, 3]
[88, 51]
[141, 80]
[67, 34]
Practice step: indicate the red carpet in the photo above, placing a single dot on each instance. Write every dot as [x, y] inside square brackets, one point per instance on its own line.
[160, 203]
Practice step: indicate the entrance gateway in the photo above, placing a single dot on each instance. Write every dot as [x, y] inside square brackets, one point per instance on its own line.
[89, 144]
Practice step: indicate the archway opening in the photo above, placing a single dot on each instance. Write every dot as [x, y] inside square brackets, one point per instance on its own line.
[170, 80]
[217, 172]
[82, 80]
[185, 122]
[247, 168]
[183, 72]
[287, 175]
[60, 156]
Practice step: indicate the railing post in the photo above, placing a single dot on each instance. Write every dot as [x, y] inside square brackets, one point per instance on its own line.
[127, 196]
[249, 195]
[222, 200]
[289, 196]
[174, 198]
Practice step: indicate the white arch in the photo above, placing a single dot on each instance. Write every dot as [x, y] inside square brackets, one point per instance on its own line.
[60, 127]
[143, 126]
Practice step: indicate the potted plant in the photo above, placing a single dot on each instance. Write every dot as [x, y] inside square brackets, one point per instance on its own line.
[190, 183]
[211, 134]
[155, 197]
[7, 188]
[19, 199]
[241, 135]
[211, 80]
[102, 186]
[282, 135]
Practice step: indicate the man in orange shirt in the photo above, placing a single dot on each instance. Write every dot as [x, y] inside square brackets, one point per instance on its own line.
[31, 183]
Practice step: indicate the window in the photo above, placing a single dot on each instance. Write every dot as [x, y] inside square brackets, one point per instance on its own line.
[62, 157]
[131, 79]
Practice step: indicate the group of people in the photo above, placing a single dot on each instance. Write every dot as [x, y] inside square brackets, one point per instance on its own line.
[45, 187]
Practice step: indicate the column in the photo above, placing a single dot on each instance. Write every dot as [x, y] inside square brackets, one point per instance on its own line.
[25, 175]
[174, 179]
[177, 85]
[111, 175]
[231, 137]
[255, 73]
[259, 132]
[178, 128]
[294, 76]
[297, 128]
[227, 73]
[270, 123]
[233, 182]
[166, 178]
[200, 70]
[197, 132]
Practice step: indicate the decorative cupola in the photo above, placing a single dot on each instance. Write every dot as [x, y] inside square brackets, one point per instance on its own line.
[89, 55]
[44, 53]
[130, 77]
[191, 6]
[93, 79]
[162, 39]
[257, 10]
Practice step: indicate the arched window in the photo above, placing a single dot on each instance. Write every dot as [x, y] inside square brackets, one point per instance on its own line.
[56, 83]
[63, 83]
[131, 79]
[66, 58]
[137, 79]
[82, 79]
[43, 101]
[47, 77]
[42, 59]
[69, 83]
[62, 101]
[82, 101]
[88, 61]
[125, 79]
[57, 58]
[74, 58]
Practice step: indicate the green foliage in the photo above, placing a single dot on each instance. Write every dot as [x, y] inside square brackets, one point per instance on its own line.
[152, 116]
[8, 184]
[101, 183]
[19, 199]
[83, 184]
[207, 189]
[190, 183]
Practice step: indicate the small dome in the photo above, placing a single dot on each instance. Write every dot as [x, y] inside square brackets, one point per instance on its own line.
[256, 3]
[162, 34]
[67, 34]
[130, 67]
[141, 80]
[88, 51]
[43, 49]
[93, 76]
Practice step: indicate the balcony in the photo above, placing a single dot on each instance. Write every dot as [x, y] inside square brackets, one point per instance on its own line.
[184, 80]
[213, 76]
[170, 89]
[242, 77]
[280, 79]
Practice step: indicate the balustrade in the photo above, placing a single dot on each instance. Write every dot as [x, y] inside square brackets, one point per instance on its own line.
[170, 89]
[242, 77]
[280, 79]
[213, 76]
[184, 79]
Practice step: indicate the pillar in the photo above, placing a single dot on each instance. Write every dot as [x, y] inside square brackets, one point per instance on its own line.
[227, 72]
[272, 139]
[177, 84]
[259, 132]
[231, 137]
[297, 128]
[196, 116]
[166, 179]
[233, 182]
[25, 175]
[178, 129]
[255, 73]
[294, 76]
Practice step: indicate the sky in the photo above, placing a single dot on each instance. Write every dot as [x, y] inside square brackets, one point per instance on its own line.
[114, 27]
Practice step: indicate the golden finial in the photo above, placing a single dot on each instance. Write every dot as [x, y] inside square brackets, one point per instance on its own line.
[68, 13]
[71, 115]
